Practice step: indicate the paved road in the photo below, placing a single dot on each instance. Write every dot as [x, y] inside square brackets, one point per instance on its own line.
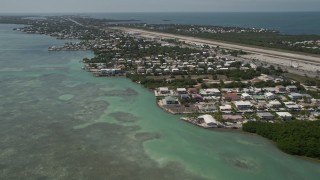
[288, 56]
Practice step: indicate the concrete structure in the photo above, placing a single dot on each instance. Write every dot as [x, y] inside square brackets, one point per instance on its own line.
[207, 107]
[291, 88]
[197, 97]
[232, 118]
[284, 115]
[243, 105]
[182, 91]
[295, 96]
[274, 104]
[292, 106]
[265, 115]
[208, 120]
[246, 96]
[280, 89]
[226, 108]
[270, 96]
[231, 97]
[168, 100]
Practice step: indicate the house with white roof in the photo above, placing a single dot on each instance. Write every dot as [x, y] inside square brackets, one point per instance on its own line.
[291, 88]
[207, 121]
[246, 96]
[243, 105]
[284, 115]
[270, 96]
[274, 104]
[292, 106]
[182, 91]
[226, 108]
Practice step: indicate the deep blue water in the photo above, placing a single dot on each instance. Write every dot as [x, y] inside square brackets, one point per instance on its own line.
[285, 22]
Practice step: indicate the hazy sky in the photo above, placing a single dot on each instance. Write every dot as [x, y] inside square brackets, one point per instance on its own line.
[156, 5]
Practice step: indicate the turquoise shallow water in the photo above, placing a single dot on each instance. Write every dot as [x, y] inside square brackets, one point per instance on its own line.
[59, 122]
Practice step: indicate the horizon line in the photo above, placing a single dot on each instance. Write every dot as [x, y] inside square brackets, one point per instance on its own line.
[128, 12]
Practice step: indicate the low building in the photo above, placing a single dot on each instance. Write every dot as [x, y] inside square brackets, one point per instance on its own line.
[291, 88]
[231, 97]
[274, 104]
[295, 96]
[192, 90]
[265, 116]
[207, 120]
[284, 115]
[270, 89]
[197, 97]
[232, 118]
[259, 98]
[246, 96]
[226, 108]
[270, 96]
[243, 105]
[164, 91]
[292, 106]
[207, 107]
[169, 100]
[280, 89]
[212, 92]
[185, 97]
[182, 91]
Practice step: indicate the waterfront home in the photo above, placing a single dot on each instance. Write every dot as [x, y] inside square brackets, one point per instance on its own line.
[284, 115]
[265, 116]
[291, 88]
[231, 97]
[162, 91]
[246, 96]
[207, 121]
[206, 107]
[232, 118]
[243, 105]
[168, 100]
[295, 96]
[225, 108]
[270, 96]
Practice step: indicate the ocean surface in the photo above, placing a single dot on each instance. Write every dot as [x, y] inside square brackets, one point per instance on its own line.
[285, 22]
[60, 122]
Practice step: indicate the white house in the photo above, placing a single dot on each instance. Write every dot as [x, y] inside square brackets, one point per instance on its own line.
[182, 91]
[270, 96]
[292, 106]
[226, 108]
[274, 104]
[243, 105]
[246, 96]
[284, 115]
[207, 120]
